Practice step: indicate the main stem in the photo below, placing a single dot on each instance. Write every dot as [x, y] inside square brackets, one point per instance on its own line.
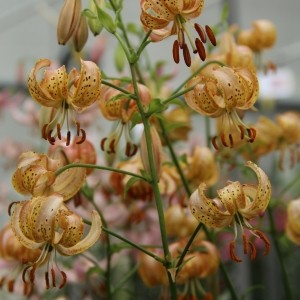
[154, 183]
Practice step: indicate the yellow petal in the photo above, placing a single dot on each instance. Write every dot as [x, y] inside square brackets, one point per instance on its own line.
[89, 240]
[206, 211]
[261, 198]
[16, 223]
[69, 182]
[85, 89]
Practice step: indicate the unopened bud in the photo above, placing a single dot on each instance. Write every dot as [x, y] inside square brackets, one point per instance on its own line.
[156, 150]
[95, 24]
[68, 20]
[81, 34]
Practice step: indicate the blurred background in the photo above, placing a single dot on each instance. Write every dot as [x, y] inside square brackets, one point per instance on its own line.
[28, 32]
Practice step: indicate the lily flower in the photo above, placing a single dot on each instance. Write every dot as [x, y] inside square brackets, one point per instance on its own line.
[46, 223]
[121, 108]
[293, 221]
[237, 204]
[64, 93]
[158, 16]
[219, 95]
[35, 175]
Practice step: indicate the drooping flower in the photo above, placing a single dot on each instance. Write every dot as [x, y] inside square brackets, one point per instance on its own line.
[65, 94]
[219, 95]
[14, 256]
[46, 223]
[119, 107]
[167, 18]
[236, 204]
[35, 175]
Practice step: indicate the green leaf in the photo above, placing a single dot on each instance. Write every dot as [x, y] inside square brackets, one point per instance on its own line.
[156, 106]
[120, 58]
[133, 28]
[136, 119]
[177, 101]
[106, 20]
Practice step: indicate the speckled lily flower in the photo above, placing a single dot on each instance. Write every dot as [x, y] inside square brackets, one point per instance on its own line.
[219, 94]
[65, 93]
[46, 223]
[236, 204]
[165, 18]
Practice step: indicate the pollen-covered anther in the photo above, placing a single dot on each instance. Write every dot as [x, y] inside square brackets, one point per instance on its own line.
[200, 49]
[9, 209]
[242, 131]
[47, 280]
[232, 252]
[83, 136]
[223, 140]
[131, 149]
[53, 277]
[245, 244]
[50, 138]
[200, 32]
[263, 237]
[176, 52]
[252, 134]
[187, 55]
[111, 147]
[210, 34]
[64, 279]
[68, 138]
[252, 250]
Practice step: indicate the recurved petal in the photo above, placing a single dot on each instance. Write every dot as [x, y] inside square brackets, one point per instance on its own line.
[206, 211]
[43, 214]
[53, 87]
[230, 195]
[192, 8]
[89, 240]
[72, 226]
[152, 22]
[259, 200]
[175, 6]
[85, 88]
[69, 182]
[18, 216]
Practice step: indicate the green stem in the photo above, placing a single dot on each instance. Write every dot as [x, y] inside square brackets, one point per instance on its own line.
[177, 95]
[118, 88]
[80, 165]
[287, 288]
[229, 284]
[136, 246]
[196, 72]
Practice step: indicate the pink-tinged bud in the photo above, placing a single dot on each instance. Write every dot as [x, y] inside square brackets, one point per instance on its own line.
[68, 20]
[81, 34]
[156, 150]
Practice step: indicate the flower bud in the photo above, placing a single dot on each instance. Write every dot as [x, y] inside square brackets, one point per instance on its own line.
[81, 34]
[94, 23]
[68, 20]
[156, 150]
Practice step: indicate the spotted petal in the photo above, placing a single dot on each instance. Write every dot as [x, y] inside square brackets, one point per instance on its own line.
[89, 240]
[206, 210]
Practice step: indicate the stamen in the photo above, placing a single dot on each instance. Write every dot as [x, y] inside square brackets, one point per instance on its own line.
[112, 147]
[68, 138]
[128, 147]
[27, 289]
[103, 143]
[10, 285]
[2, 281]
[200, 32]
[245, 243]
[32, 274]
[24, 273]
[53, 277]
[265, 239]
[200, 49]
[64, 281]
[10, 206]
[242, 131]
[50, 138]
[214, 142]
[47, 280]
[176, 52]
[223, 140]
[181, 39]
[207, 296]
[232, 252]
[58, 130]
[210, 35]
[187, 55]
[252, 134]
[44, 132]
[253, 250]
[77, 128]
[83, 137]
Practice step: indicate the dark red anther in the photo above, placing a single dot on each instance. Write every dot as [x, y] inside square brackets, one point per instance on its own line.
[253, 251]
[53, 277]
[176, 52]
[242, 131]
[187, 55]
[103, 143]
[58, 129]
[211, 35]
[231, 140]
[265, 239]
[10, 285]
[64, 279]
[68, 138]
[223, 140]
[11, 205]
[232, 252]
[214, 142]
[128, 148]
[200, 32]
[252, 134]
[32, 274]
[77, 128]
[50, 138]
[47, 280]
[200, 49]
[24, 273]
[245, 244]
[83, 137]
